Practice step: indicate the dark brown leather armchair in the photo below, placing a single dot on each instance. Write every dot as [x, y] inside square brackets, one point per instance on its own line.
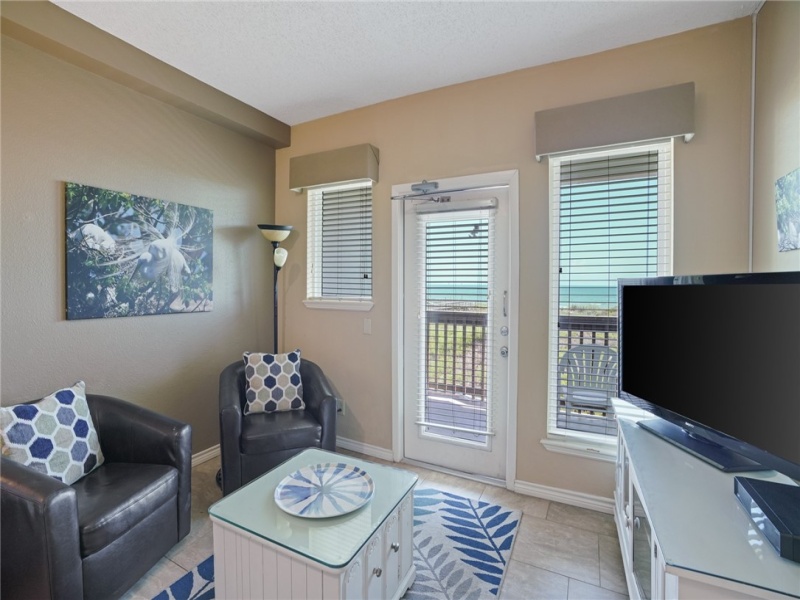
[97, 537]
[253, 444]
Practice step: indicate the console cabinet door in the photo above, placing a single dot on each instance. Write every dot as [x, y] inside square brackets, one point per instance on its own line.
[623, 513]
[659, 572]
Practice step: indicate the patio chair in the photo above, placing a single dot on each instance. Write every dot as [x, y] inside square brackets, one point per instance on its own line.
[587, 376]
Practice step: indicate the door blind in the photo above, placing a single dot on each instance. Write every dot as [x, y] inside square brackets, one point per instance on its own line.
[611, 218]
[340, 242]
[455, 277]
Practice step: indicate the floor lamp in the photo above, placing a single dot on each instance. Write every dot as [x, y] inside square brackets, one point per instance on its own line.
[276, 234]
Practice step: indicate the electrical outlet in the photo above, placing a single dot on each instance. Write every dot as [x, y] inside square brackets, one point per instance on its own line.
[340, 406]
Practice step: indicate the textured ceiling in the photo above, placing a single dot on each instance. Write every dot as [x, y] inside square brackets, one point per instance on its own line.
[299, 61]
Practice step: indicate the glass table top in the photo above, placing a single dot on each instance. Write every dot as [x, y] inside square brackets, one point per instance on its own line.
[332, 541]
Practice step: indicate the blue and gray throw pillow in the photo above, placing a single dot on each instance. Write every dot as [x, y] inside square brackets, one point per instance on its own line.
[55, 435]
[273, 382]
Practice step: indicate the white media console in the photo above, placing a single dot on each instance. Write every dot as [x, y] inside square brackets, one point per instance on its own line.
[683, 533]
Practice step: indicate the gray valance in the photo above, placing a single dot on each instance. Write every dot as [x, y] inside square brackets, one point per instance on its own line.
[651, 115]
[334, 166]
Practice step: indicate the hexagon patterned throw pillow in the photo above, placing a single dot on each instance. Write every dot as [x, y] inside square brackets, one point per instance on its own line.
[273, 382]
[55, 435]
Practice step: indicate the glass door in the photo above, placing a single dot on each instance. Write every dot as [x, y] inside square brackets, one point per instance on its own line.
[456, 330]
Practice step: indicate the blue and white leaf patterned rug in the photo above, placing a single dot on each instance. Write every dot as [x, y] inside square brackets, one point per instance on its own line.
[461, 546]
[197, 584]
[461, 551]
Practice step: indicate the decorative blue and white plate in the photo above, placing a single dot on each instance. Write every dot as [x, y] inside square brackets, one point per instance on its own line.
[324, 490]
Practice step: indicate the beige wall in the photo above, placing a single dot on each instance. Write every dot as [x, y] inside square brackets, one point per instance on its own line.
[487, 125]
[60, 123]
[777, 126]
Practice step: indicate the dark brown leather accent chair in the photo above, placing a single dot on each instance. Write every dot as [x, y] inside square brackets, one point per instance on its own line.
[97, 537]
[253, 444]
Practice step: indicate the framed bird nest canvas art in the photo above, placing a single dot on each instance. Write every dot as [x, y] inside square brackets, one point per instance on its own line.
[130, 255]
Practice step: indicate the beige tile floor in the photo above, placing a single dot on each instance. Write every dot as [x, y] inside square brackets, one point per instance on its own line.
[561, 552]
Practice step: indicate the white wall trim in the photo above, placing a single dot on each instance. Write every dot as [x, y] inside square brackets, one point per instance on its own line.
[752, 156]
[398, 327]
[330, 304]
[598, 503]
[347, 444]
[577, 446]
[368, 449]
[589, 501]
[513, 342]
[205, 455]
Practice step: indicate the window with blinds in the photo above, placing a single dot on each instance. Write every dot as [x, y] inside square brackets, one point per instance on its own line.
[611, 218]
[340, 242]
[455, 276]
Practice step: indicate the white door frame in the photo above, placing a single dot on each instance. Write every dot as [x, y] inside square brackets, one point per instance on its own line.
[510, 178]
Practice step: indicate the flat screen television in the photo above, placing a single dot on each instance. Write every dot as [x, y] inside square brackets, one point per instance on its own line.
[716, 359]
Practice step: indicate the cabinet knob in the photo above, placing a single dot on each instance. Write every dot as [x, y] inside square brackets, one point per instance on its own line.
[396, 546]
[377, 571]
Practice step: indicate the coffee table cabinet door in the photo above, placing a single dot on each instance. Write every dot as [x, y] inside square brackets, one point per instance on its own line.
[391, 553]
[375, 572]
[353, 579]
[406, 535]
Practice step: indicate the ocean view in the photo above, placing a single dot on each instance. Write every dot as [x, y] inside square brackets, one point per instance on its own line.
[574, 296]
[587, 295]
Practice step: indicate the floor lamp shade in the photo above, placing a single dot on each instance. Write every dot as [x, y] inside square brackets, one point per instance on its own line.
[275, 233]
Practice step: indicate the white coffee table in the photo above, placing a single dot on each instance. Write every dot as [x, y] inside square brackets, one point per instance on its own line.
[260, 551]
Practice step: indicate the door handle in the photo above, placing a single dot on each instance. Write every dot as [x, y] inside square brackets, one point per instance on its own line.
[505, 303]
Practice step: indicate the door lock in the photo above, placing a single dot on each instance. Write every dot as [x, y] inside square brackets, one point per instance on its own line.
[504, 331]
[504, 351]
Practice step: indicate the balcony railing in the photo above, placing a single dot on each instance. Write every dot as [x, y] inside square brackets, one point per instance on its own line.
[456, 369]
[578, 329]
[456, 378]
[456, 343]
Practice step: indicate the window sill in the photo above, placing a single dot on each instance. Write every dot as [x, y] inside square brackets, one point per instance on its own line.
[330, 304]
[576, 446]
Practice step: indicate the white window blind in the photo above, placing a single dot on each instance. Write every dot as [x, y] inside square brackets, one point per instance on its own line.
[455, 273]
[611, 218]
[340, 242]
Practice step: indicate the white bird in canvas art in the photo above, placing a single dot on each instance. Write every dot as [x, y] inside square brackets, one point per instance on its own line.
[163, 257]
[154, 254]
[95, 237]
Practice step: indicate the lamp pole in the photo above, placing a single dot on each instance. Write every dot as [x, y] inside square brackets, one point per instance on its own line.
[276, 270]
[275, 234]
